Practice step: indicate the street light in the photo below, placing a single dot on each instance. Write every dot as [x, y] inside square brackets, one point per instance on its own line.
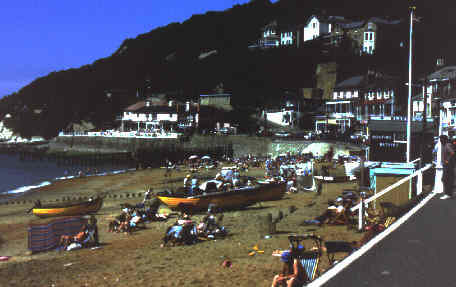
[409, 104]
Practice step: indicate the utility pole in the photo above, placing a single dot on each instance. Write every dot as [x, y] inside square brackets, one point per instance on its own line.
[409, 104]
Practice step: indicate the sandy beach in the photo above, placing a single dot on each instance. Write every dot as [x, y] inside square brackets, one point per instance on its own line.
[128, 260]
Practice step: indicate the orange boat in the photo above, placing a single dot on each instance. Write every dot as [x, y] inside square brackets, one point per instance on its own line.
[69, 208]
[237, 198]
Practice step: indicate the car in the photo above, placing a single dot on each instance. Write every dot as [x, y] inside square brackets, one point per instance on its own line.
[263, 133]
[282, 134]
[226, 131]
[310, 136]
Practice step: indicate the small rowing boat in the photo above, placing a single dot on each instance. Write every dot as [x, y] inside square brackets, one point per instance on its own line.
[68, 208]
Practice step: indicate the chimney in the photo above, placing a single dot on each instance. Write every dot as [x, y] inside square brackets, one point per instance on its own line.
[187, 107]
[147, 103]
[370, 75]
[440, 63]
[170, 103]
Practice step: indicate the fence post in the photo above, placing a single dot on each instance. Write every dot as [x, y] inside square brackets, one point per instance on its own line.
[361, 215]
[419, 184]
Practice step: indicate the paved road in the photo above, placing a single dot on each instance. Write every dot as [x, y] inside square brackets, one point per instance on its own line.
[419, 253]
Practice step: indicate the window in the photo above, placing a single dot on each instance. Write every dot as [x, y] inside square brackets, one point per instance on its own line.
[371, 36]
[314, 25]
[366, 36]
[344, 108]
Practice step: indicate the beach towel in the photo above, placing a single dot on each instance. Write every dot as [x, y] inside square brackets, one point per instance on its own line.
[46, 236]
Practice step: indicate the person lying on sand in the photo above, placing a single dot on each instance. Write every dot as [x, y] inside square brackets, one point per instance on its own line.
[334, 209]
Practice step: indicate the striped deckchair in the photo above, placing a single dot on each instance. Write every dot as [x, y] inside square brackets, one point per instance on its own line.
[46, 236]
[310, 258]
[309, 261]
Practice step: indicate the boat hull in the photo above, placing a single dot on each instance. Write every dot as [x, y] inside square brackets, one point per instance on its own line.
[226, 200]
[69, 210]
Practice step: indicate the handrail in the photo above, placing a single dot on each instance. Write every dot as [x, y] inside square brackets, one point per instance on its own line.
[389, 188]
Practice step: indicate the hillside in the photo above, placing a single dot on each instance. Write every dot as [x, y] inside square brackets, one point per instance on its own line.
[169, 58]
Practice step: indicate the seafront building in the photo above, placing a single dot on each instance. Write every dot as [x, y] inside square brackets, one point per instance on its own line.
[358, 99]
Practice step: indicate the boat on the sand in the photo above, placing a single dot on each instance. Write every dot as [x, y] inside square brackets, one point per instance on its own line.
[236, 198]
[68, 208]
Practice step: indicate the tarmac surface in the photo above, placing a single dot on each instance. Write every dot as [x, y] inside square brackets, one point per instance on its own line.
[418, 253]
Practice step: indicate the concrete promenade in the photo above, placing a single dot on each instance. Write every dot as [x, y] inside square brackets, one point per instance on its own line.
[418, 253]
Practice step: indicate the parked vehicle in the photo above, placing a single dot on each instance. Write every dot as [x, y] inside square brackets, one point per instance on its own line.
[226, 131]
[282, 134]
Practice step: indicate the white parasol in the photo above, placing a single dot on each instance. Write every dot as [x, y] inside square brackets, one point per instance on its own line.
[193, 157]
[206, 157]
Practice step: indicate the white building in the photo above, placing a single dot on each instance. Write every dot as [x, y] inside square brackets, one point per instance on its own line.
[270, 37]
[439, 93]
[143, 115]
[315, 27]
[287, 37]
[358, 99]
[369, 38]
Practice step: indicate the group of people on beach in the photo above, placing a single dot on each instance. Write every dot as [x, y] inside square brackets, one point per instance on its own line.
[187, 231]
[134, 216]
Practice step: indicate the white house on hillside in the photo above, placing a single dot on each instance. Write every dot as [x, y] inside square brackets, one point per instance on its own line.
[288, 36]
[315, 27]
[270, 36]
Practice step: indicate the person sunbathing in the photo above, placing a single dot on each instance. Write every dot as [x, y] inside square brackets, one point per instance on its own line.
[66, 240]
[334, 211]
[293, 273]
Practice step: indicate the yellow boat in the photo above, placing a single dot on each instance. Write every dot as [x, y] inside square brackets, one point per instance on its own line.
[240, 197]
[68, 208]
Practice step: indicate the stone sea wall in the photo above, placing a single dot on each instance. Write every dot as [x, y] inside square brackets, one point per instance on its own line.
[242, 145]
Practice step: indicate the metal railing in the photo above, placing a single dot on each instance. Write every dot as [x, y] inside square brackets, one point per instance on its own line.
[364, 203]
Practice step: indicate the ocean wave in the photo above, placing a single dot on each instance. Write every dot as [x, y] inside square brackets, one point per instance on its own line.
[27, 188]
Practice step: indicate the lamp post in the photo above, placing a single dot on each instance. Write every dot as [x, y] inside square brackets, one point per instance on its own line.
[409, 103]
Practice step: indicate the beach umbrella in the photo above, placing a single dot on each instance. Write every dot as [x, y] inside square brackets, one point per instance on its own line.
[193, 157]
[206, 157]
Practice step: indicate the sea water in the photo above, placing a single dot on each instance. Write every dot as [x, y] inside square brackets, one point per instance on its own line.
[20, 176]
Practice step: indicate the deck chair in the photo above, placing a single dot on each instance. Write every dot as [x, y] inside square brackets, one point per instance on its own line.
[310, 258]
[333, 247]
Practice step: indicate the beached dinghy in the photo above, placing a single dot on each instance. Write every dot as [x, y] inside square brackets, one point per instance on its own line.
[68, 208]
[239, 197]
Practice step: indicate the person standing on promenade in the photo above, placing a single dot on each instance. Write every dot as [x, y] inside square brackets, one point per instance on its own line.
[448, 167]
